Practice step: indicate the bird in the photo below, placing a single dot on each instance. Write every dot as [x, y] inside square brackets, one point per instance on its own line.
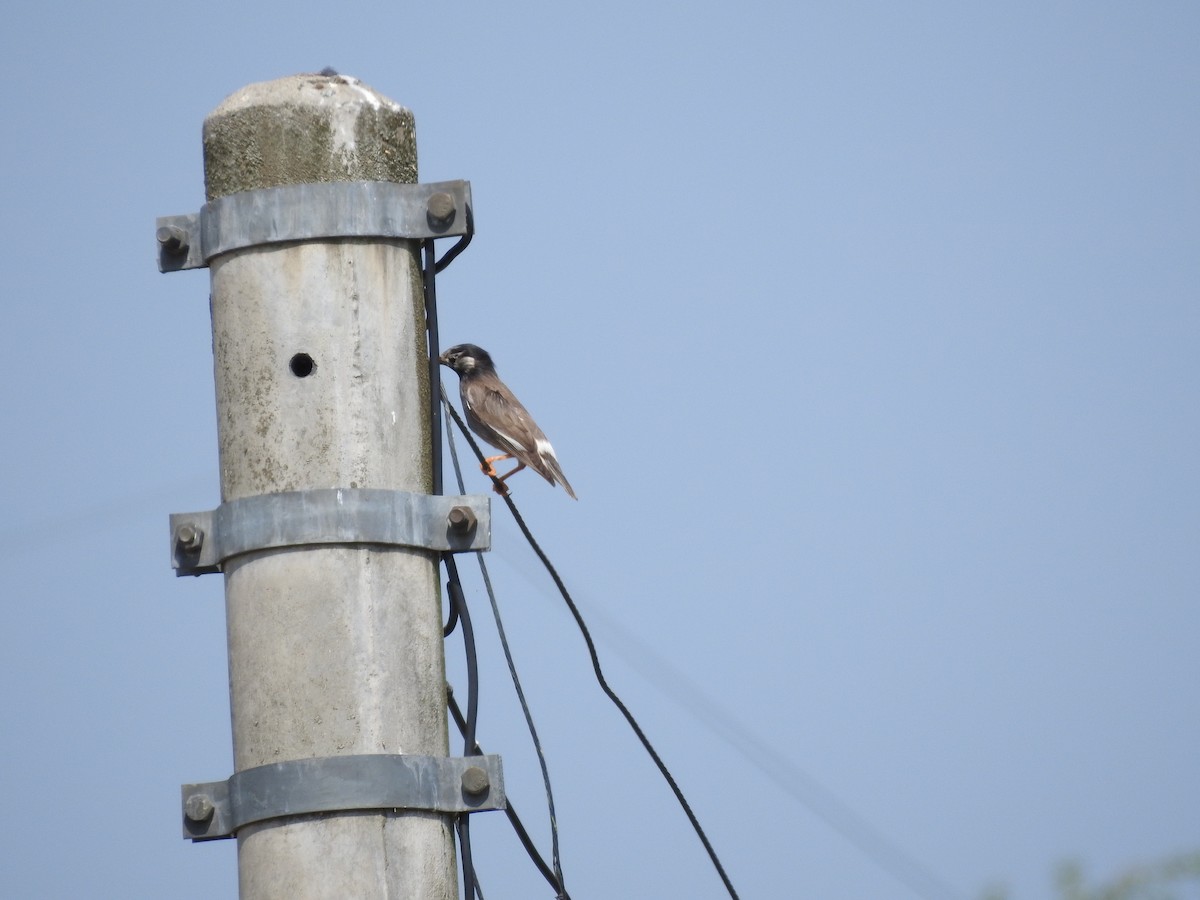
[496, 415]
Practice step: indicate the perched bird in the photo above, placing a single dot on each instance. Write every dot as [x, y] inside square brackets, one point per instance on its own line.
[499, 418]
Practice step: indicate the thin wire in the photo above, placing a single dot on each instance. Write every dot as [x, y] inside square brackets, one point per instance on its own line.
[515, 820]
[591, 647]
[559, 882]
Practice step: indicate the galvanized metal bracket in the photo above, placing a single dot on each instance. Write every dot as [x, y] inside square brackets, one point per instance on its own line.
[306, 212]
[383, 781]
[201, 542]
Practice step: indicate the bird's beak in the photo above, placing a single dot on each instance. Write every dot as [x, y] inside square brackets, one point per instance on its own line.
[444, 359]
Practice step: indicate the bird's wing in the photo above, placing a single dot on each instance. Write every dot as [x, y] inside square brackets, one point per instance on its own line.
[501, 413]
[498, 411]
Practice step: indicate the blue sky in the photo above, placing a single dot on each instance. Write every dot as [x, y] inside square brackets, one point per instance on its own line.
[867, 334]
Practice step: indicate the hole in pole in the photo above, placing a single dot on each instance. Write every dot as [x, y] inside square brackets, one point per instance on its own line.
[302, 365]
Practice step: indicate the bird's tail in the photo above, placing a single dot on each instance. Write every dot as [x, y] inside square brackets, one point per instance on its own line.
[556, 471]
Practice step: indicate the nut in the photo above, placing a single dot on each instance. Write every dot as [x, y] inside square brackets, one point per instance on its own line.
[198, 808]
[462, 519]
[440, 210]
[475, 781]
[172, 239]
[189, 538]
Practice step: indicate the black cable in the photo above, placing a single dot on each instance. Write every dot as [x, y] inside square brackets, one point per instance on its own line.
[591, 647]
[777, 767]
[429, 270]
[435, 378]
[459, 247]
[470, 885]
[509, 810]
[458, 606]
[459, 602]
[559, 883]
[451, 621]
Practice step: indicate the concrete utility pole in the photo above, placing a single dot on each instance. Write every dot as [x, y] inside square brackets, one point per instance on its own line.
[335, 649]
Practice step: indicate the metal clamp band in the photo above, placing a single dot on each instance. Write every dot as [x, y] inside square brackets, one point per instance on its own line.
[218, 809]
[201, 542]
[305, 212]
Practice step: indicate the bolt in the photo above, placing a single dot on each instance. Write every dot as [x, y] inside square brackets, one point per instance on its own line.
[475, 781]
[189, 538]
[198, 808]
[462, 519]
[440, 210]
[172, 239]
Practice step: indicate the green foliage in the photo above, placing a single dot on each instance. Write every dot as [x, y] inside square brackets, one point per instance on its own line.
[1161, 880]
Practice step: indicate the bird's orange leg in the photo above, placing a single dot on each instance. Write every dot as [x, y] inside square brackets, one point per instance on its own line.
[490, 470]
[499, 486]
[513, 472]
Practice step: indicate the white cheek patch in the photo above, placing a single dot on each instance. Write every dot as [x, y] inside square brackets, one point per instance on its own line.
[466, 363]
